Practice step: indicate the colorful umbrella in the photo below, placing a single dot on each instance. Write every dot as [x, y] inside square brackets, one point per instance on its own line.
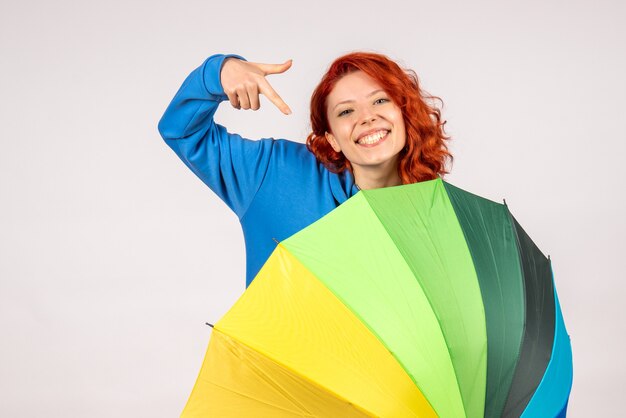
[420, 300]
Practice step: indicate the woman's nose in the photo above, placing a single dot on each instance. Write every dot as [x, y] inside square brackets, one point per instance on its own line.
[367, 116]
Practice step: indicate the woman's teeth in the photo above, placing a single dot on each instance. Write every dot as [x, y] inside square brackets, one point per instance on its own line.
[373, 138]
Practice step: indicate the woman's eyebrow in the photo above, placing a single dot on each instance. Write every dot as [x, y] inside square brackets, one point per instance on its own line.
[350, 101]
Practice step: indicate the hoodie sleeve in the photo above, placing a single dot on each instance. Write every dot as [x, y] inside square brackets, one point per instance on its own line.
[232, 166]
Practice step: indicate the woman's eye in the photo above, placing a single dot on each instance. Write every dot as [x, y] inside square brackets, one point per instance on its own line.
[345, 112]
[382, 100]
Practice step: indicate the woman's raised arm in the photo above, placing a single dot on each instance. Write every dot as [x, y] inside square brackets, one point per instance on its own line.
[232, 166]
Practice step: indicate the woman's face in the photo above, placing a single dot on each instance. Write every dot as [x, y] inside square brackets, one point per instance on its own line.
[365, 125]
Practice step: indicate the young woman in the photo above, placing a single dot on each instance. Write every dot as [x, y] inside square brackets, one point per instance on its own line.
[372, 126]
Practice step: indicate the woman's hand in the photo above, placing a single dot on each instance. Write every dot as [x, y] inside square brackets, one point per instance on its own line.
[243, 82]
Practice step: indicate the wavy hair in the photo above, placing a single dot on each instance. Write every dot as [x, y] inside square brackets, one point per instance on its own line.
[425, 154]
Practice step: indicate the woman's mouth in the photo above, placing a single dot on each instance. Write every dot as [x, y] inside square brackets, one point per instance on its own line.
[374, 138]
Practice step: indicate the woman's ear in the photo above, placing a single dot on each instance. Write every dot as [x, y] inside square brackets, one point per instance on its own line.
[332, 141]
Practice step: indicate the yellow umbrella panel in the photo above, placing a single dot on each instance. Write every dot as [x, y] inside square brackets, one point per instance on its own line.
[290, 348]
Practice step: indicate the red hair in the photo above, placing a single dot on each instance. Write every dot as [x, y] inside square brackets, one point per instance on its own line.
[426, 152]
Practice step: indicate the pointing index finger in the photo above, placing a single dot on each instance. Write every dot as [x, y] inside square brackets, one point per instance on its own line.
[266, 89]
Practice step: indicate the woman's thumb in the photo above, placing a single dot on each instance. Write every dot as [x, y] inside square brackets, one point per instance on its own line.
[276, 68]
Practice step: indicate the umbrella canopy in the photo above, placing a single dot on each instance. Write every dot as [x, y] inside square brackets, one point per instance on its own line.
[420, 300]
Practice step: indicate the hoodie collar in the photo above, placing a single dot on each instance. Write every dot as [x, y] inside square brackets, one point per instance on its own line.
[342, 186]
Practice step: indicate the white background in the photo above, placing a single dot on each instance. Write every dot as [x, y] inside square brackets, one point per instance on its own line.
[113, 255]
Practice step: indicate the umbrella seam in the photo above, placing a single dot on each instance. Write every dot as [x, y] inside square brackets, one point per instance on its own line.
[519, 349]
[367, 326]
[429, 302]
[499, 276]
[284, 366]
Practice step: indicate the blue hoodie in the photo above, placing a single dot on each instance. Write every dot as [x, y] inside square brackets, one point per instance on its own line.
[275, 186]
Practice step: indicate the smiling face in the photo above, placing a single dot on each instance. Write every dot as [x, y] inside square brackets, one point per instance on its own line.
[366, 126]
